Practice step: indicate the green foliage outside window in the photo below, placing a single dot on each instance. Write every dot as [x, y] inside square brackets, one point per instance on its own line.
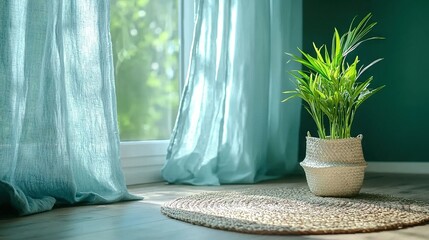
[146, 60]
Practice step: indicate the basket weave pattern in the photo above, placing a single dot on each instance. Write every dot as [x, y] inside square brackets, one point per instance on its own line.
[334, 167]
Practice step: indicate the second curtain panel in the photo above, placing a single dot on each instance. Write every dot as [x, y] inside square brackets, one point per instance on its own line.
[232, 126]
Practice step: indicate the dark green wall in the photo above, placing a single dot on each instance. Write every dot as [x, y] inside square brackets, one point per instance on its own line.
[395, 121]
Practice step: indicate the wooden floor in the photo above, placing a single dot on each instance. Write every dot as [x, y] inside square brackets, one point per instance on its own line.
[143, 220]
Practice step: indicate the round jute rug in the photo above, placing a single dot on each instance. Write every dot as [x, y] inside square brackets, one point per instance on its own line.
[281, 210]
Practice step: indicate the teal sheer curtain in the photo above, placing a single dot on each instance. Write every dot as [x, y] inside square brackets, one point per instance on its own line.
[59, 140]
[232, 126]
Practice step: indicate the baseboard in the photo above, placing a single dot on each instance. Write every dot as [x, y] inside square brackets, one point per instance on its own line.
[398, 167]
[149, 170]
[142, 161]
[142, 174]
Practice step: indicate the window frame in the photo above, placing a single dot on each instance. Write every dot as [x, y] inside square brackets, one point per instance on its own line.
[142, 160]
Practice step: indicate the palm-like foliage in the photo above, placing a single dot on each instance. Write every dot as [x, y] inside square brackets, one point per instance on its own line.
[330, 85]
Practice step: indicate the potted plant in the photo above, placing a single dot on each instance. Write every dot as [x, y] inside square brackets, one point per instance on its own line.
[330, 88]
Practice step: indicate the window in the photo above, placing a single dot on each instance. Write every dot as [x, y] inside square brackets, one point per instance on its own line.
[151, 41]
[146, 37]
[146, 59]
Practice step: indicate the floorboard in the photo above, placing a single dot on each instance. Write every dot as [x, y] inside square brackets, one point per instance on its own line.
[143, 220]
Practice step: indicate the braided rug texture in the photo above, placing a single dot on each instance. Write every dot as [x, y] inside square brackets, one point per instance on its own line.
[281, 210]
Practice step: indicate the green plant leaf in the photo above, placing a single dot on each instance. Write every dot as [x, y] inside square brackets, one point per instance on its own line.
[328, 85]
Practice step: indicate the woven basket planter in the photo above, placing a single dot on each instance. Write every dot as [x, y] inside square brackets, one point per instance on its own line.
[334, 167]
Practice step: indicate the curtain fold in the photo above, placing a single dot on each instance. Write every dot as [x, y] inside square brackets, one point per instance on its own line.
[59, 141]
[231, 126]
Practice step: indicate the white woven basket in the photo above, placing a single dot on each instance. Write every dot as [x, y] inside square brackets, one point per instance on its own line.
[334, 167]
